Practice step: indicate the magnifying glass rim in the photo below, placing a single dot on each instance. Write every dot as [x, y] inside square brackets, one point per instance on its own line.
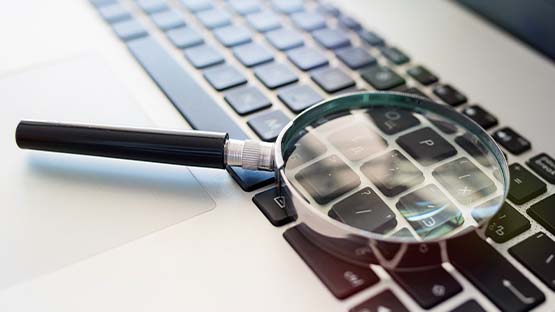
[383, 97]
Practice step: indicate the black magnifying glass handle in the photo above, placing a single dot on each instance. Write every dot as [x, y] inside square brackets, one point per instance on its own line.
[187, 147]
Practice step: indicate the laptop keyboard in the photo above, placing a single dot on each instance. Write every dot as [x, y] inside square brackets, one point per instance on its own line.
[258, 63]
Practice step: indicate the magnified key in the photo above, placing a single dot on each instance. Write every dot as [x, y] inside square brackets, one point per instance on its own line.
[392, 173]
[365, 210]
[391, 120]
[464, 181]
[426, 146]
[327, 179]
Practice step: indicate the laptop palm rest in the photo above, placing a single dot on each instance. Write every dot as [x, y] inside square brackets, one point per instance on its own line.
[58, 209]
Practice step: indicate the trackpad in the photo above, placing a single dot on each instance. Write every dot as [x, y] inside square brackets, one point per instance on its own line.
[57, 209]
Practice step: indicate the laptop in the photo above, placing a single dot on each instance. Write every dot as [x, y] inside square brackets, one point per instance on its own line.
[89, 234]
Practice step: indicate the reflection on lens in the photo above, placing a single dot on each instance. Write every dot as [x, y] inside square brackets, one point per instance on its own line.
[398, 172]
[429, 212]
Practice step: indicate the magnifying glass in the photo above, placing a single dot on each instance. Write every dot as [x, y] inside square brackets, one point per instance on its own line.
[372, 177]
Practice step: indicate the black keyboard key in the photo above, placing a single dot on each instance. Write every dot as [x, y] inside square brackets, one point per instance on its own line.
[357, 142]
[306, 58]
[422, 75]
[426, 146]
[252, 54]
[231, 36]
[493, 274]
[391, 120]
[469, 306]
[129, 29]
[299, 97]
[382, 78]
[214, 18]
[288, 7]
[392, 173]
[524, 186]
[544, 213]
[450, 95]
[113, 13]
[331, 38]
[275, 75]
[441, 215]
[395, 55]
[184, 37]
[537, 254]
[308, 21]
[264, 21]
[371, 38]
[349, 22]
[285, 39]
[343, 279]
[470, 184]
[480, 116]
[185, 94]
[506, 224]
[365, 210]
[167, 20]
[272, 205]
[203, 56]
[428, 287]
[152, 6]
[385, 301]
[544, 166]
[224, 77]
[327, 179]
[247, 100]
[332, 79]
[268, 125]
[197, 5]
[245, 7]
[355, 57]
[512, 141]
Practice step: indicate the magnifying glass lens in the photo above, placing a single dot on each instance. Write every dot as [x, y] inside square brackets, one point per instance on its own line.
[395, 169]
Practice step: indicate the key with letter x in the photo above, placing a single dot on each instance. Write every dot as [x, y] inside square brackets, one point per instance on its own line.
[464, 180]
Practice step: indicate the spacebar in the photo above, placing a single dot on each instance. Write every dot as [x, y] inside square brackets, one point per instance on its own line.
[197, 106]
